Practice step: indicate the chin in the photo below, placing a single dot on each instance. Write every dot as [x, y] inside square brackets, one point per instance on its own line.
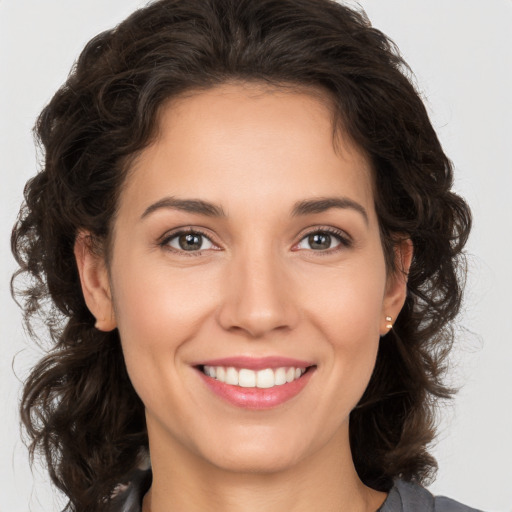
[258, 452]
[254, 461]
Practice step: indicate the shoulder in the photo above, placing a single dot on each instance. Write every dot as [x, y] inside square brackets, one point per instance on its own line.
[411, 497]
[444, 504]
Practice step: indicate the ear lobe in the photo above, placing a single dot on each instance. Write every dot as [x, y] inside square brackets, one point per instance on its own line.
[95, 282]
[396, 286]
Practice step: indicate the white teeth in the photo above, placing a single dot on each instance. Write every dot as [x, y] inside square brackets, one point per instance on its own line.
[221, 373]
[280, 376]
[243, 377]
[246, 378]
[231, 376]
[265, 378]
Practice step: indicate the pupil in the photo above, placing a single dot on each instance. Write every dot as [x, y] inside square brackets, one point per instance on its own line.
[320, 241]
[190, 242]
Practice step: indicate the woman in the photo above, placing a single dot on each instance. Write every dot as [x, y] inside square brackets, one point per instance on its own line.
[245, 245]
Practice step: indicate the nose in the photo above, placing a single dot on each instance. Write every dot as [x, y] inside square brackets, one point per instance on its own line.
[257, 297]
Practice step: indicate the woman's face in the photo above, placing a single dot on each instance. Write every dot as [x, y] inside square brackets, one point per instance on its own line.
[246, 244]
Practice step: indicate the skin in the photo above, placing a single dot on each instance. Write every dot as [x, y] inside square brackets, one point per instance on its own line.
[256, 288]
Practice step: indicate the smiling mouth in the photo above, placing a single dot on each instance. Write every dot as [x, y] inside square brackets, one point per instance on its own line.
[265, 378]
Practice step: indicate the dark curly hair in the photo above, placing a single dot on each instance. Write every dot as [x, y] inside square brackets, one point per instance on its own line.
[79, 408]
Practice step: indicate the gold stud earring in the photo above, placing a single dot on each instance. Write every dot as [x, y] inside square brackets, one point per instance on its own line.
[389, 325]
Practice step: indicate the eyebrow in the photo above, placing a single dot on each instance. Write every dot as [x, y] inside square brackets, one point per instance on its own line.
[305, 207]
[322, 204]
[186, 205]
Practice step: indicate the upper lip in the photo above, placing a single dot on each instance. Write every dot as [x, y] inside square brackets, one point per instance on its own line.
[256, 363]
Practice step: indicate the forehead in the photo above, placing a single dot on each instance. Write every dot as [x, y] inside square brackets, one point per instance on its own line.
[249, 141]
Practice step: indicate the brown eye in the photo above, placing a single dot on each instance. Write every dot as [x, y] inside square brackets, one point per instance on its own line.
[319, 241]
[323, 241]
[189, 242]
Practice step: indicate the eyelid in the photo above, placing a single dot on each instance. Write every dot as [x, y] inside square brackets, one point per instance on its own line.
[342, 236]
[164, 240]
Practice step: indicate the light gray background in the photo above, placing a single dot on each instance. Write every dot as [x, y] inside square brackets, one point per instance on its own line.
[460, 51]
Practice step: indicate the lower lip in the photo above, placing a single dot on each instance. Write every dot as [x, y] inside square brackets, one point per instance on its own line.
[257, 398]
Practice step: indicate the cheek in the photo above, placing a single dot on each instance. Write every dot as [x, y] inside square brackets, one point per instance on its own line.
[348, 301]
[158, 312]
[157, 305]
[348, 313]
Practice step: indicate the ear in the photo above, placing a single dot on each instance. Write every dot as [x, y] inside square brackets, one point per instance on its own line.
[95, 282]
[396, 285]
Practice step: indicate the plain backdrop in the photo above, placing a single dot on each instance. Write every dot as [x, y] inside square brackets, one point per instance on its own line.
[460, 51]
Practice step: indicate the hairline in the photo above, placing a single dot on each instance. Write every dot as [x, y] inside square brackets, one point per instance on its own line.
[322, 94]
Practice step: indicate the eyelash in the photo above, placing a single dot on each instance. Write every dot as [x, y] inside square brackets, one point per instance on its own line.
[164, 243]
[341, 236]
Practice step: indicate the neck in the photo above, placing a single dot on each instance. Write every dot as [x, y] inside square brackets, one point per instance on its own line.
[327, 481]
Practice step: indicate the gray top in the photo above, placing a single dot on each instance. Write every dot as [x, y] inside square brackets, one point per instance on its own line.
[410, 497]
[403, 497]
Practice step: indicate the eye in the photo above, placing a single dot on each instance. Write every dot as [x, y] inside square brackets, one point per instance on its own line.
[189, 241]
[323, 240]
